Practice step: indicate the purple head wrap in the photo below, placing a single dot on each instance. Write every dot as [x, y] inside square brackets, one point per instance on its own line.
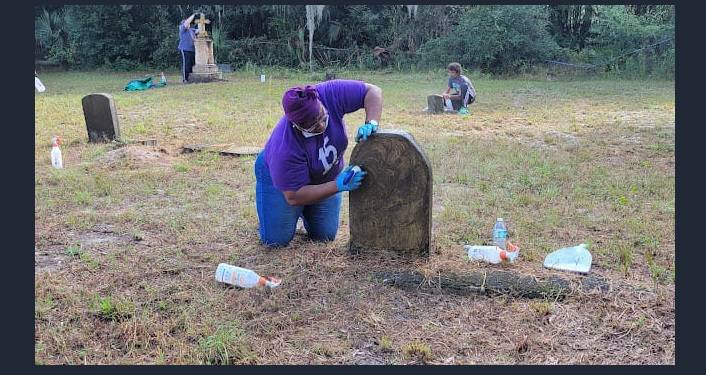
[301, 104]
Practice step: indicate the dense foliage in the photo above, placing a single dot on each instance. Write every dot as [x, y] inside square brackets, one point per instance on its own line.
[489, 38]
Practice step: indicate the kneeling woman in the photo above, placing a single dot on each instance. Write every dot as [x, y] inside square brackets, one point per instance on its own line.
[300, 171]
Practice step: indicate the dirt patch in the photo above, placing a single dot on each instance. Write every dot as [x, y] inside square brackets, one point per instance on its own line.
[55, 256]
[366, 357]
[49, 260]
[565, 141]
[136, 156]
[99, 238]
[641, 118]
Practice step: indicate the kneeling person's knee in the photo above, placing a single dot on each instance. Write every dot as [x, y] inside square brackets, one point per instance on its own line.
[323, 237]
[276, 241]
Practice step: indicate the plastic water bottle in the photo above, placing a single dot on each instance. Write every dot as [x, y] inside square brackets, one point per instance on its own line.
[448, 104]
[56, 160]
[489, 254]
[500, 233]
[164, 79]
[493, 254]
[243, 277]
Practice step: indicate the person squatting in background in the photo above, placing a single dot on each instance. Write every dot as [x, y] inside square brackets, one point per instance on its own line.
[463, 91]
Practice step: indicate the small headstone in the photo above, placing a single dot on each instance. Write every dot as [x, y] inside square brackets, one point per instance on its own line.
[225, 68]
[391, 211]
[240, 151]
[204, 147]
[101, 118]
[435, 103]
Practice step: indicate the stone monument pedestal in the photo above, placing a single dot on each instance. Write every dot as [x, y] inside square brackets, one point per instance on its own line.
[205, 68]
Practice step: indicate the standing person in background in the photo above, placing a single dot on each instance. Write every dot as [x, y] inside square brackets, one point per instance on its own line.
[187, 34]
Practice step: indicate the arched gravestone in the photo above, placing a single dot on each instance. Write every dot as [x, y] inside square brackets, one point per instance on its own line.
[391, 211]
[101, 118]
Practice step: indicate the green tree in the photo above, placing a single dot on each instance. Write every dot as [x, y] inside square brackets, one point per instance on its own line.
[497, 39]
[639, 44]
[51, 35]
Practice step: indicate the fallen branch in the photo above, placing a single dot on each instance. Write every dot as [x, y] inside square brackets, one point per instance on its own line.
[492, 282]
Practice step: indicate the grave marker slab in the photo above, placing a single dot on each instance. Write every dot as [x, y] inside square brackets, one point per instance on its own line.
[391, 211]
[101, 118]
[435, 103]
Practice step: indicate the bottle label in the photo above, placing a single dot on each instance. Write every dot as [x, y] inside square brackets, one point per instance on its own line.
[226, 275]
[500, 233]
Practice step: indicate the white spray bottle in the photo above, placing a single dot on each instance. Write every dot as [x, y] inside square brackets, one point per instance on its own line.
[56, 159]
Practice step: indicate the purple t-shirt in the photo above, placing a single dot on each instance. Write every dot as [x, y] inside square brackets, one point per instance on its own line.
[294, 160]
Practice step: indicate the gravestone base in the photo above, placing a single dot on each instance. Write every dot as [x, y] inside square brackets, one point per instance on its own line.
[203, 77]
[205, 69]
[358, 250]
[204, 73]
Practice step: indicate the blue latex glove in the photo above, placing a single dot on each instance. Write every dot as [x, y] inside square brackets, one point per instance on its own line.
[364, 132]
[346, 182]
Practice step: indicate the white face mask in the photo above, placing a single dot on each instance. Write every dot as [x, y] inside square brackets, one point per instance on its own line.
[309, 135]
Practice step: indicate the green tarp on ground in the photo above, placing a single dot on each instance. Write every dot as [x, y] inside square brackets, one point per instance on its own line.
[143, 84]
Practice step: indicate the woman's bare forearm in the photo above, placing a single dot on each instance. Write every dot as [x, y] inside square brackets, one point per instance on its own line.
[373, 103]
[311, 194]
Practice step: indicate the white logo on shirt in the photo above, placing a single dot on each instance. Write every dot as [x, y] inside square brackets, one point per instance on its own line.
[324, 152]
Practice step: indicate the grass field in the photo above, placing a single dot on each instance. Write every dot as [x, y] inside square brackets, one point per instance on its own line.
[126, 247]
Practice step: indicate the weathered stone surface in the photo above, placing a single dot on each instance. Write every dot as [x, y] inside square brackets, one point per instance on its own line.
[205, 69]
[391, 211]
[435, 103]
[101, 118]
[204, 51]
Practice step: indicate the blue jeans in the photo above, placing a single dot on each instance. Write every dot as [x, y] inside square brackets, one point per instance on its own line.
[278, 219]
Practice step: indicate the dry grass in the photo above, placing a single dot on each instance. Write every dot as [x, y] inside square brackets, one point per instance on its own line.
[126, 245]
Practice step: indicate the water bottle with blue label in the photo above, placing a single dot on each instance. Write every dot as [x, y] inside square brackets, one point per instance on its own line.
[500, 233]
[243, 277]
